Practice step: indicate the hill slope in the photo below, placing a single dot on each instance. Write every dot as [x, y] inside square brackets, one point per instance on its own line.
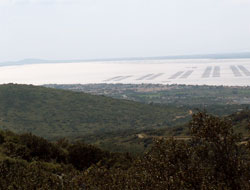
[55, 113]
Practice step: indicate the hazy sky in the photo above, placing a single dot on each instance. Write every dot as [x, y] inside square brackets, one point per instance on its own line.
[83, 29]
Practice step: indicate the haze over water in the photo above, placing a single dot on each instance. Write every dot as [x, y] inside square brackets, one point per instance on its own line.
[228, 72]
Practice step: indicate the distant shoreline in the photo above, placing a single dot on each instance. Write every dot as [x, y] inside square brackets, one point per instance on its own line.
[227, 72]
[245, 55]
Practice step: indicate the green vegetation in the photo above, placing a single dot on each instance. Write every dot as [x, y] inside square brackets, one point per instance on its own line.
[217, 100]
[31, 162]
[167, 94]
[55, 113]
[137, 142]
[214, 157]
[111, 124]
[168, 152]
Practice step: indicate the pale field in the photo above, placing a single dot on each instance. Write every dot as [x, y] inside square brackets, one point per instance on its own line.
[190, 72]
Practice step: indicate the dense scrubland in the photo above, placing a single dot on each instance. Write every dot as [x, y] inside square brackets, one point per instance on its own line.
[96, 142]
[185, 99]
[214, 157]
[51, 113]
[100, 120]
[112, 124]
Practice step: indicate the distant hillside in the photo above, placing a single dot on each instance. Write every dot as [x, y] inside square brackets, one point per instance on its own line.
[55, 113]
[243, 55]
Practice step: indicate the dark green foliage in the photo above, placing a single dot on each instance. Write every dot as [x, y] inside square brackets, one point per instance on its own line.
[20, 175]
[31, 162]
[82, 156]
[218, 150]
[214, 158]
[42, 171]
[1, 138]
[54, 113]
[105, 122]
[241, 117]
[30, 147]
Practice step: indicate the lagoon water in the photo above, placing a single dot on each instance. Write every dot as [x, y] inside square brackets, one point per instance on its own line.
[228, 72]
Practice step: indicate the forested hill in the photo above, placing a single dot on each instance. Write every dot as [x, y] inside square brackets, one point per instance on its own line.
[55, 113]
